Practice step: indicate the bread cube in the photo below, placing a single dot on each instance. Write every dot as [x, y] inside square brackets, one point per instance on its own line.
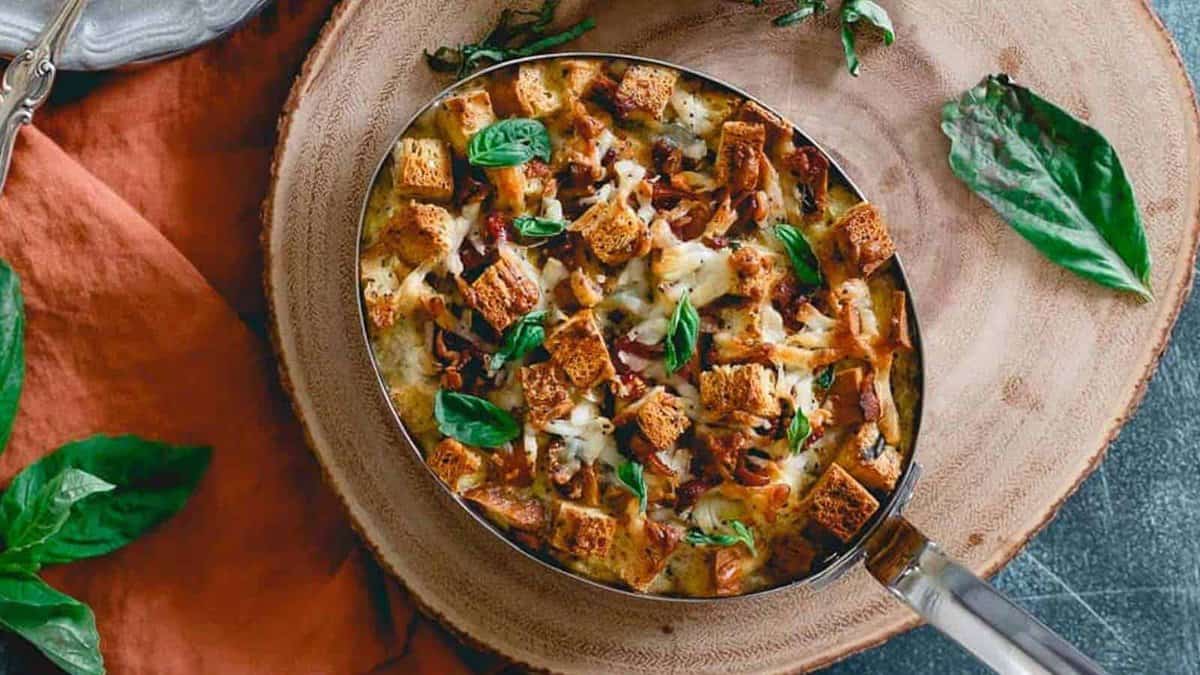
[575, 76]
[459, 466]
[738, 155]
[645, 91]
[577, 346]
[865, 457]
[748, 388]
[776, 127]
[505, 506]
[418, 232]
[503, 293]
[582, 531]
[547, 392]
[753, 272]
[660, 418]
[461, 117]
[510, 184]
[524, 93]
[641, 551]
[863, 238]
[380, 272]
[614, 232]
[840, 505]
[422, 169]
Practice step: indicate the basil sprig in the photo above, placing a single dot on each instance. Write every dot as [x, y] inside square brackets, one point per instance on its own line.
[509, 142]
[825, 378]
[798, 431]
[804, 9]
[524, 336]
[517, 33]
[85, 499]
[533, 226]
[632, 476]
[852, 12]
[473, 420]
[682, 332]
[804, 261]
[1054, 179]
[741, 534]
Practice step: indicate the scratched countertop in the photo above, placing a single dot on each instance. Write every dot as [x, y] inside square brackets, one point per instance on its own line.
[1118, 572]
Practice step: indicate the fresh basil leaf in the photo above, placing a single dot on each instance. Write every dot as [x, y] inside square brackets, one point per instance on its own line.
[741, 534]
[798, 431]
[804, 9]
[804, 261]
[552, 41]
[524, 336]
[825, 378]
[532, 226]
[852, 12]
[682, 332]
[632, 475]
[1054, 179]
[509, 142]
[60, 626]
[473, 420]
[45, 516]
[153, 481]
[12, 349]
[509, 39]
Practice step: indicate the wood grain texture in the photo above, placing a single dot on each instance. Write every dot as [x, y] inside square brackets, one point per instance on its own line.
[1030, 371]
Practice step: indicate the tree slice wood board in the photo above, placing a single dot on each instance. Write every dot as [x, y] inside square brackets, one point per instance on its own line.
[1030, 371]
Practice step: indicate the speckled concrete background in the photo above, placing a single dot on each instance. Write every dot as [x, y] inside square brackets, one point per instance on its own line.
[1118, 572]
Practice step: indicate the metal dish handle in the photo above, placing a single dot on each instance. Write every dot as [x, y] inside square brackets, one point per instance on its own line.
[966, 608]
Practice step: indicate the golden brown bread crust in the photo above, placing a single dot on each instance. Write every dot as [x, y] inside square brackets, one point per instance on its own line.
[864, 238]
[547, 392]
[645, 91]
[840, 505]
[868, 461]
[418, 232]
[462, 116]
[776, 127]
[660, 419]
[582, 531]
[754, 273]
[503, 293]
[505, 506]
[423, 169]
[510, 184]
[738, 155]
[523, 92]
[452, 461]
[577, 345]
[743, 388]
[792, 556]
[614, 232]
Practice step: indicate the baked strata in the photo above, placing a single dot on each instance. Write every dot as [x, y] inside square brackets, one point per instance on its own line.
[636, 321]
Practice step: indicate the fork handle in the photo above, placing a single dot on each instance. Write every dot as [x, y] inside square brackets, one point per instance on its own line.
[27, 80]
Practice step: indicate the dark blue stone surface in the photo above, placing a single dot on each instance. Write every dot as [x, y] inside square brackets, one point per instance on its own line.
[1118, 572]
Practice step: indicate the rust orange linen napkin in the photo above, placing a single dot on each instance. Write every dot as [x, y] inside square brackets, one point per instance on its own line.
[131, 215]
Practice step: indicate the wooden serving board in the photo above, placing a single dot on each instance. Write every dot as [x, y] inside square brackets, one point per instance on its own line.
[1030, 371]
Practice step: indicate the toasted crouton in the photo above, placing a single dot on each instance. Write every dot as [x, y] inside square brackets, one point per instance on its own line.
[792, 556]
[547, 392]
[380, 272]
[840, 505]
[510, 184]
[745, 388]
[418, 232]
[738, 155]
[576, 76]
[461, 117]
[645, 91]
[642, 549]
[506, 507]
[863, 237]
[777, 128]
[660, 418]
[842, 400]
[578, 347]
[422, 169]
[752, 272]
[457, 465]
[899, 336]
[864, 456]
[524, 93]
[503, 293]
[614, 232]
[582, 531]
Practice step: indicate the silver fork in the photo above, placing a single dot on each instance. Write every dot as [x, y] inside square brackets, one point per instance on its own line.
[28, 78]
